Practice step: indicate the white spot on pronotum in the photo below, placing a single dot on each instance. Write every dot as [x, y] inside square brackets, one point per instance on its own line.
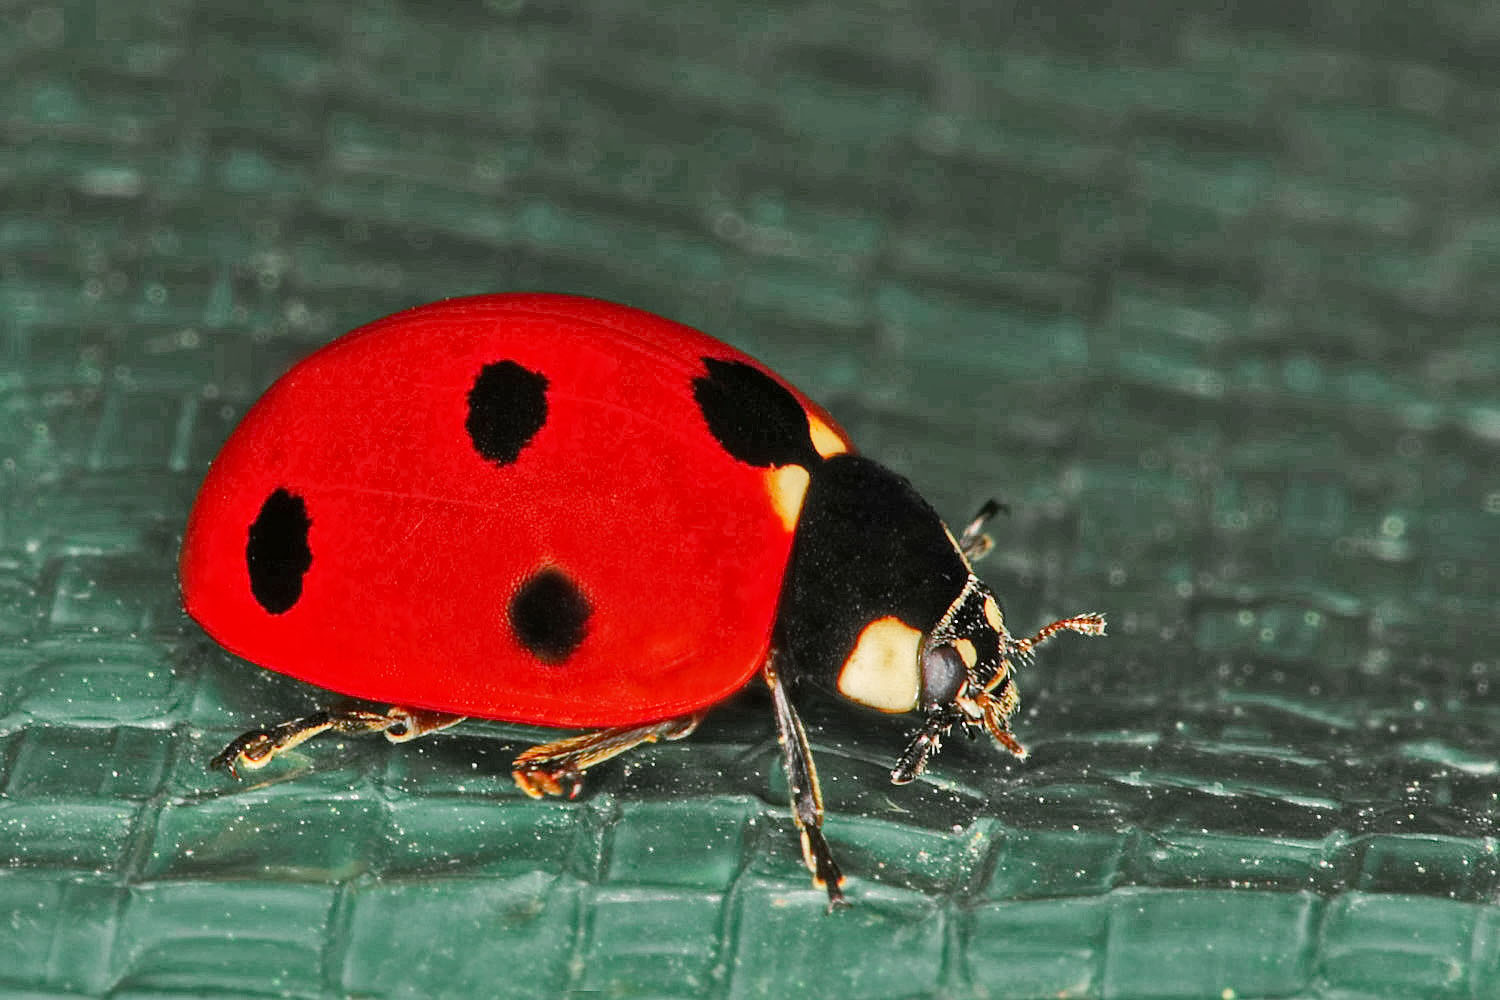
[993, 616]
[883, 672]
[787, 487]
[967, 652]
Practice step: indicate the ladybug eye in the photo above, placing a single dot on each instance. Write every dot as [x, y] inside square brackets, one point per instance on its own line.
[943, 673]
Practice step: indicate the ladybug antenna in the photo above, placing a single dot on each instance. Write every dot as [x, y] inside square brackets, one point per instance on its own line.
[974, 543]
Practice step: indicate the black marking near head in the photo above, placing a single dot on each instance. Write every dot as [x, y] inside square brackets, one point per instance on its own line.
[867, 546]
[507, 406]
[550, 615]
[277, 555]
[753, 416]
[968, 620]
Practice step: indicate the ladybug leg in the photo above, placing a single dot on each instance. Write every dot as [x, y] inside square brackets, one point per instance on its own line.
[974, 543]
[557, 768]
[807, 797]
[255, 749]
[998, 706]
[405, 724]
[926, 742]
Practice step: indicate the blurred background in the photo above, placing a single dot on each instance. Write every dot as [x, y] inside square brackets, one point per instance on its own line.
[1206, 296]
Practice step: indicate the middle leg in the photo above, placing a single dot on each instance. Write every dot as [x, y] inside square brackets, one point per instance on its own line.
[557, 768]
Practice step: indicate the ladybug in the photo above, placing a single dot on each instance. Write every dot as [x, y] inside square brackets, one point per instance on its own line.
[559, 511]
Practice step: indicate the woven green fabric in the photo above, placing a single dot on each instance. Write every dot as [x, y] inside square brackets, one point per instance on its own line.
[1208, 297]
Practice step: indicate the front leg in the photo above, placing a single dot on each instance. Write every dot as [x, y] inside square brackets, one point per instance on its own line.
[807, 797]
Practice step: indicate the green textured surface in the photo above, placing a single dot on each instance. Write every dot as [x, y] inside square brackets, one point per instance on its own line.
[1208, 297]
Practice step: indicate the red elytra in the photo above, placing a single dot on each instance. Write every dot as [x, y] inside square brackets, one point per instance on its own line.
[418, 543]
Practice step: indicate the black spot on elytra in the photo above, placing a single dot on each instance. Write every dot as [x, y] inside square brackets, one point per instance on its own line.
[753, 416]
[277, 555]
[507, 406]
[550, 615]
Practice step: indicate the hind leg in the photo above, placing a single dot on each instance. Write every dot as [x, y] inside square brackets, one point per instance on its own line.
[256, 748]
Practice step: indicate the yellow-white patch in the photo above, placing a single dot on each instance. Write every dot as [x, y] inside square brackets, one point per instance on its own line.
[824, 439]
[967, 652]
[993, 616]
[787, 487]
[883, 672]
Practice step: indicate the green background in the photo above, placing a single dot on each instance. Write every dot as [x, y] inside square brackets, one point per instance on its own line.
[1206, 295]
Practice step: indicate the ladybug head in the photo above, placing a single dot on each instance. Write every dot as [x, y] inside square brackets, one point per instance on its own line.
[880, 601]
[966, 679]
[968, 674]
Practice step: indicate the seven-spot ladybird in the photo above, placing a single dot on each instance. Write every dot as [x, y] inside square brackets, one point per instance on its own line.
[554, 510]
